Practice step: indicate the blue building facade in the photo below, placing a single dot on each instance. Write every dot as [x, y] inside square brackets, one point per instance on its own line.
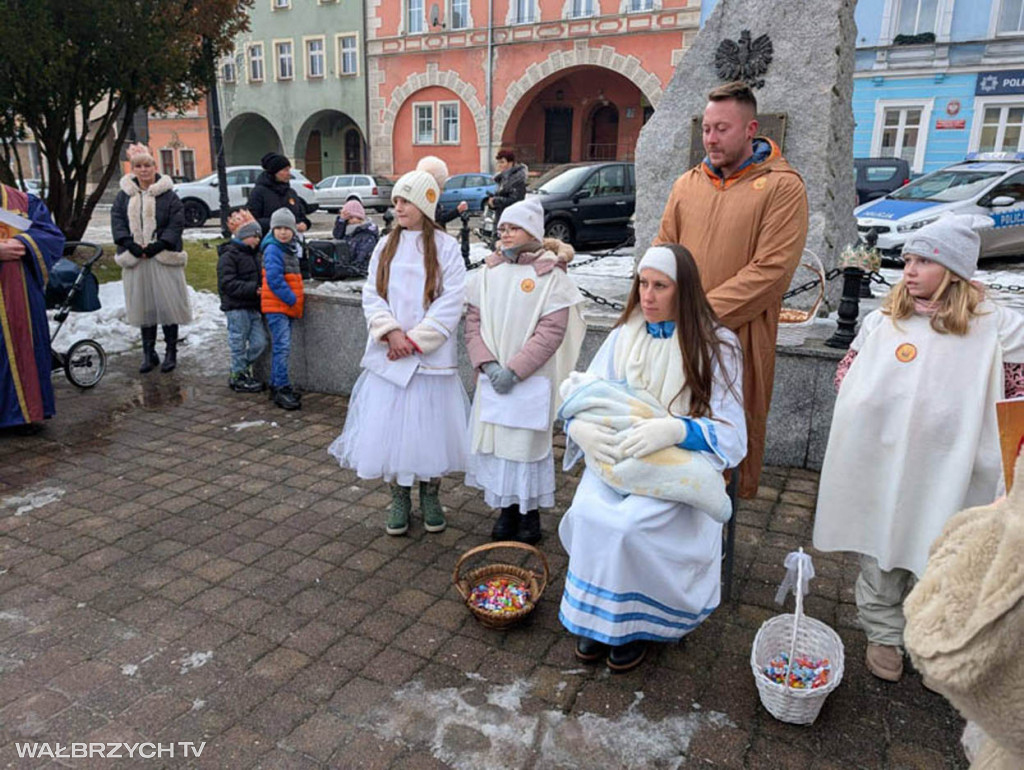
[937, 79]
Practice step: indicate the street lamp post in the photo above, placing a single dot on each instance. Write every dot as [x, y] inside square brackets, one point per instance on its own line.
[217, 139]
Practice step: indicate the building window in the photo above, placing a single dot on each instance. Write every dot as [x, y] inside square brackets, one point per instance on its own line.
[167, 162]
[227, 70]
[285, 60]
[524, 11]
[460, 14]
[188, 164]
[348, 55]
[315, 58]
[423, 124]
[582, 8]
[449, 117]
[256, 62]
[280, 5]
[414, 17]
[916, 16]
[1002, 126]
[641, 5]
[1011, 17]
[901, 131]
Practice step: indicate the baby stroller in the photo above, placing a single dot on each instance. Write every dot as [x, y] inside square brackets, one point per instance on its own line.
[74, 287]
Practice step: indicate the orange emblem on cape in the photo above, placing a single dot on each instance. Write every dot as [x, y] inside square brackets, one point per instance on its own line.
[760, 183]
[527, 285]
[906, 353]
[431, 195]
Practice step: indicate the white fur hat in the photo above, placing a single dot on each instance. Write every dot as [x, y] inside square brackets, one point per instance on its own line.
[420, 189]
[436, 167]
[527, 214]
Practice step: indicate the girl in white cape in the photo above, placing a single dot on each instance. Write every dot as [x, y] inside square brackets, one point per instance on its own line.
[641, 568]
[524, 329]
[407, 415]
[914, 436]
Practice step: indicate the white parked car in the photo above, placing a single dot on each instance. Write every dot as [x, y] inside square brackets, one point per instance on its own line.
[374, 192]
[202, 197]
[988, 186]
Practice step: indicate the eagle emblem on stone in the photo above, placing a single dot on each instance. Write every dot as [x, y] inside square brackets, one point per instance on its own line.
[746, 59]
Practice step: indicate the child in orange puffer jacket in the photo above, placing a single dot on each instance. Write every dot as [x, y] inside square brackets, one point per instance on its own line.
[281, 301]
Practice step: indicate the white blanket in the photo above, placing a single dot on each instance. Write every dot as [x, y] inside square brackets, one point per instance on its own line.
[672, 474]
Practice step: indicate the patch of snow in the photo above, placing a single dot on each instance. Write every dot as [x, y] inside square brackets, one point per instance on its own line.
[33, 500]
[195, 660]
[248, 424]
[129, 669]
[197, 703]
[497, 734]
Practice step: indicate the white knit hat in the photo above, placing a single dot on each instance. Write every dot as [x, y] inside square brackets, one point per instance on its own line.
[420, 189]
[527, 214]
[951, 241]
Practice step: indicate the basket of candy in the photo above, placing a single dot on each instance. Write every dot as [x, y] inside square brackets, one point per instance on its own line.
[795, 323]
[797, 661]
[500, 594]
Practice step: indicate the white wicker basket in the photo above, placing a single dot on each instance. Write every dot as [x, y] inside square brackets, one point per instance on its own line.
[795, 323]
[802, 636]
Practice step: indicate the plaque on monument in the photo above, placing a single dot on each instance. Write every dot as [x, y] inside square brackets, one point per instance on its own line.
[770, 124]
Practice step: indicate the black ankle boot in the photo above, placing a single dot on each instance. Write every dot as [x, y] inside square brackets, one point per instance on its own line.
[150, 360]
[529, 528]
[507, 525]
[171, 357]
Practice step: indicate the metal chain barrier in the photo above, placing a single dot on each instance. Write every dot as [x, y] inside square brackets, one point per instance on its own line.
[835, 272]
[1011, 289]
[601, 300]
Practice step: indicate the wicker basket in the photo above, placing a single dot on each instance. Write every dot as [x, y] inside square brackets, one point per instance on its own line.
[800, 635]
[795, 323]
[534, 583]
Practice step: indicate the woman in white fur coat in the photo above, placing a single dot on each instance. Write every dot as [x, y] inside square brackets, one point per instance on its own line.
[147, 220]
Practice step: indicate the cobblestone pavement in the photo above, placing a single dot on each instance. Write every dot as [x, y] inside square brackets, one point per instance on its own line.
[182, 564]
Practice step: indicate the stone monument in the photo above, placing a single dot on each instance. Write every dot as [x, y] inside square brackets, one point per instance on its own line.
[799, 58]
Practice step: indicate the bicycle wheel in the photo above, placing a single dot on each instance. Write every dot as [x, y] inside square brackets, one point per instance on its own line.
[85, 363]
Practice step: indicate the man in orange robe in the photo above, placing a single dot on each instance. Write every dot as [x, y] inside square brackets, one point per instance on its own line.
[742, 213]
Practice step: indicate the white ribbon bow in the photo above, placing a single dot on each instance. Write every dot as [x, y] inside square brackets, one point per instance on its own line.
[796, 560]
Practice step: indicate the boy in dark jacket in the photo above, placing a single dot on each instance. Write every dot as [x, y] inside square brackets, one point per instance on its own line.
[238, 282]
[273, 190]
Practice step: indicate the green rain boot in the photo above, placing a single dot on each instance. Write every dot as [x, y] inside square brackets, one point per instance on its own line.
[401, 508]
[430, 505]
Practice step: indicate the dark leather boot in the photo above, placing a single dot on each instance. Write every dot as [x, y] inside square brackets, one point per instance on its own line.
[171, 357]
[150, 360]
[507, 525]
[529, 528]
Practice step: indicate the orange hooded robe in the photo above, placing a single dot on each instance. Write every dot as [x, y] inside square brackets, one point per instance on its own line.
[747, 234]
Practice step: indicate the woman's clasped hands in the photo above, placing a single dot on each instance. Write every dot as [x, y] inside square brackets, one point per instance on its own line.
[645, 437]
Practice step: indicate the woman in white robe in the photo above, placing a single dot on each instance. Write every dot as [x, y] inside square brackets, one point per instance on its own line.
[643, 569]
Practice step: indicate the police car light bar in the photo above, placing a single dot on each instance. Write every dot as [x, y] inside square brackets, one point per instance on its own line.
[995, 156]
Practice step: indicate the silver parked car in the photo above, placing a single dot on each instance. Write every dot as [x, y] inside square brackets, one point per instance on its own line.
[201, 198]
[374, 192]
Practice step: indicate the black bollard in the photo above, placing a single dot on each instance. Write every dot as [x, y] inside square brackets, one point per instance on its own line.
[464, 237]
[849, 309]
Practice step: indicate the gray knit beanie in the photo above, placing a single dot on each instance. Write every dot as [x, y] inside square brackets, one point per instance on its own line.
[950, 241]
[283, 217]
[249, 230]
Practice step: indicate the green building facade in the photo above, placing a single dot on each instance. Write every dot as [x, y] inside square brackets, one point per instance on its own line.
[296, 85]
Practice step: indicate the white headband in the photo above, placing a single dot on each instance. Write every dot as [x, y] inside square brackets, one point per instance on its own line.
[659, 258]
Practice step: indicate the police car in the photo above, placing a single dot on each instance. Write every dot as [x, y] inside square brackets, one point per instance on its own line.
[989, 186]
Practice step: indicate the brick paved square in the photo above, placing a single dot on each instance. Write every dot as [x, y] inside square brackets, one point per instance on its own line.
[239, 589]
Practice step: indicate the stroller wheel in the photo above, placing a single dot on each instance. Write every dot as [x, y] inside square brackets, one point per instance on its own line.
[85, 363]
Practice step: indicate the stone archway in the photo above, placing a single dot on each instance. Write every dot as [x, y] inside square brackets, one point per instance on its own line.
[581, 55]
[381, 146]
[247, 138]
[323, 147]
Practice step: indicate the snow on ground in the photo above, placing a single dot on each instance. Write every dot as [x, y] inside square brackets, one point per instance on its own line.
[202, 342]
[486, 726]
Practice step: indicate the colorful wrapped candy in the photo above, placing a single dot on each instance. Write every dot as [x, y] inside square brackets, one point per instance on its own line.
[805, 674]
[500, 594]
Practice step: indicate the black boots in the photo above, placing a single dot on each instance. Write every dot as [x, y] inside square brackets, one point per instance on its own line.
[171, 338]
[150, 360]
[507, 525]
[513, 525]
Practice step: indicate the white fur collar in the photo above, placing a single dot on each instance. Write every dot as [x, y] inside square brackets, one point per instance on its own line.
[130, 187]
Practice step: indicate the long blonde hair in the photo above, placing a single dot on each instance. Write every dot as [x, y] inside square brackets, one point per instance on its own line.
[433, 286]
[957, 304]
